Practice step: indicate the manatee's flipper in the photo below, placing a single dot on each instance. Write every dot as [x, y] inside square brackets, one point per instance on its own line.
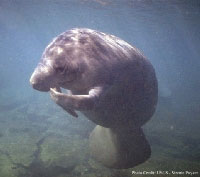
[77, 102]
[57, 89]
[70, 111]
[120, 148]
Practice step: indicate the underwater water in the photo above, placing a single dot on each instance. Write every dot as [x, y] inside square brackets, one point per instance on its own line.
[39, 139]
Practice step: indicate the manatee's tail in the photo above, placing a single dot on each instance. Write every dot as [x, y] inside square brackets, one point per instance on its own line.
[119, 148]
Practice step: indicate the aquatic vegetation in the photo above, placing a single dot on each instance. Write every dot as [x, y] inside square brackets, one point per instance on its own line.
[63, 150]
[6, 166]
[190, 150]
[38, 168]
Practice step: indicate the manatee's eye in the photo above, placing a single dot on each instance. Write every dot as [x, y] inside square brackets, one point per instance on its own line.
[60, 69]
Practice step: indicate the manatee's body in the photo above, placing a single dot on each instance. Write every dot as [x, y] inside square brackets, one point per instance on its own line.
[110, 81]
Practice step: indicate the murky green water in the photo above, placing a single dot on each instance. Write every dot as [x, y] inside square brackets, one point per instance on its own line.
[39, 139]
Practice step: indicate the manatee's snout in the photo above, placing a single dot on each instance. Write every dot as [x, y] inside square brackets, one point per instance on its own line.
[41, 79]
[38, 85]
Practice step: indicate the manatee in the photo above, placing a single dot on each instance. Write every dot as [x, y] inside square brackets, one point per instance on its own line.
[111, 82]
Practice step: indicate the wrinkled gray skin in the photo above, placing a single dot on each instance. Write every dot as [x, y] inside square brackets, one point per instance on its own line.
[109, 81]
